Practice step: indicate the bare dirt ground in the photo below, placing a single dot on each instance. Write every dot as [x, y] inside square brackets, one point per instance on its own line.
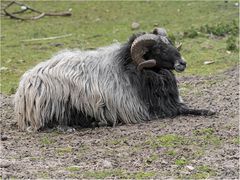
[182, 147]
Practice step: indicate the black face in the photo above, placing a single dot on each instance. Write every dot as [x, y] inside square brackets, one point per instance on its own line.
[167, 57]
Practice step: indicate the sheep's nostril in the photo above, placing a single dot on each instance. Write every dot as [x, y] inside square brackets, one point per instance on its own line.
[183, 63]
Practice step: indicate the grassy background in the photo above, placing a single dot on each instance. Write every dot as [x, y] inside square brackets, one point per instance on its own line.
[95, 24]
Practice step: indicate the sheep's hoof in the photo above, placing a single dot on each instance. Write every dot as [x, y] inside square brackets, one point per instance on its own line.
[210, 113]
[102, 124]
[65, 129]
[98, 124]
[30, 129]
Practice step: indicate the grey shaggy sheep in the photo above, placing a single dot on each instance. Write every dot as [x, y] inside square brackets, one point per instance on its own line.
[122, 83]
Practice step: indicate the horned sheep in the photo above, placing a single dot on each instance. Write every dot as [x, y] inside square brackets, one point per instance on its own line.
[118, 84]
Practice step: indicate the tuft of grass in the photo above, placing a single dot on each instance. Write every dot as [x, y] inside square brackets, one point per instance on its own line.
[142, 175]
[118, 173]
[199, 175]
[103, 174]
[231, 43]
[115, 141]
[191, 33]
[46, 140]
[204, 131]
[73, 176]
[206, 136]
[198, 153]
[181, 162]
[203, 172]
[213, 140]
[170, 140]
[221, 29]
[171, 152]
[152, 158]
[236, 140]
[73, 168]
[167, 140]
[65, 150]
[43, 175]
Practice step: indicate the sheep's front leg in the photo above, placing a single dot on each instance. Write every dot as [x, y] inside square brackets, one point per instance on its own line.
[184, 110]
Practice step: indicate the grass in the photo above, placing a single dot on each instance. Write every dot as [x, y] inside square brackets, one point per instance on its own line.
[119, 173]
[204, 131]
[206, 136]
[103, 174]
[152, 158]
[167, 140]
[64, 150]
[181, 162]
[203, 172]
[43, 175]
[73, 168]
[46, 140]
[236, 140]
[171, 152]
[182, 150]
[201, 138]
[95, 24]
[143, 175]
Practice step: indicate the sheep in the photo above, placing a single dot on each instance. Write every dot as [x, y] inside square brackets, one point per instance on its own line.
[117, 84]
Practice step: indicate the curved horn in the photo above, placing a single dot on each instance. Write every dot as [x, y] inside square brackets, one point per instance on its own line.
[139, 48]
[160, 31]
[147, 64]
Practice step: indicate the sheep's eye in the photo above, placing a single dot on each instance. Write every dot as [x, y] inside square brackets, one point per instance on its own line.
[177, 54]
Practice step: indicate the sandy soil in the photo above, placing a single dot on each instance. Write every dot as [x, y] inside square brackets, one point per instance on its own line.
[182, 147]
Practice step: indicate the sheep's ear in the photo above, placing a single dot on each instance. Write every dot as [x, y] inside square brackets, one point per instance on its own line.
[179, 47]
[160, 31]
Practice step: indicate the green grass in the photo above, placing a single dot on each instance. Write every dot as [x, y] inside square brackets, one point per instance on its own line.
[206, 136]
[46, 140]
[171, 152]
[167, 140]
[152, 158]
[73, 168]
[181, 162]
[103, 174]
[204, 131]
[203, 172]
[95, 24]
[142, 175]
[43, 175]
[119, 173]
[64, 150]
[236, 140]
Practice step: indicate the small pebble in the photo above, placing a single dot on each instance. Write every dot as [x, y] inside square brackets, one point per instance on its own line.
[107, 164]
[228, 52]
[190, 168]
[4, 137]
[164, 162]
[135, 25]
[3, 69]
[4, 163]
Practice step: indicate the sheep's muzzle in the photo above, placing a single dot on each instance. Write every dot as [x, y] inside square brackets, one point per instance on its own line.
[180, 65]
